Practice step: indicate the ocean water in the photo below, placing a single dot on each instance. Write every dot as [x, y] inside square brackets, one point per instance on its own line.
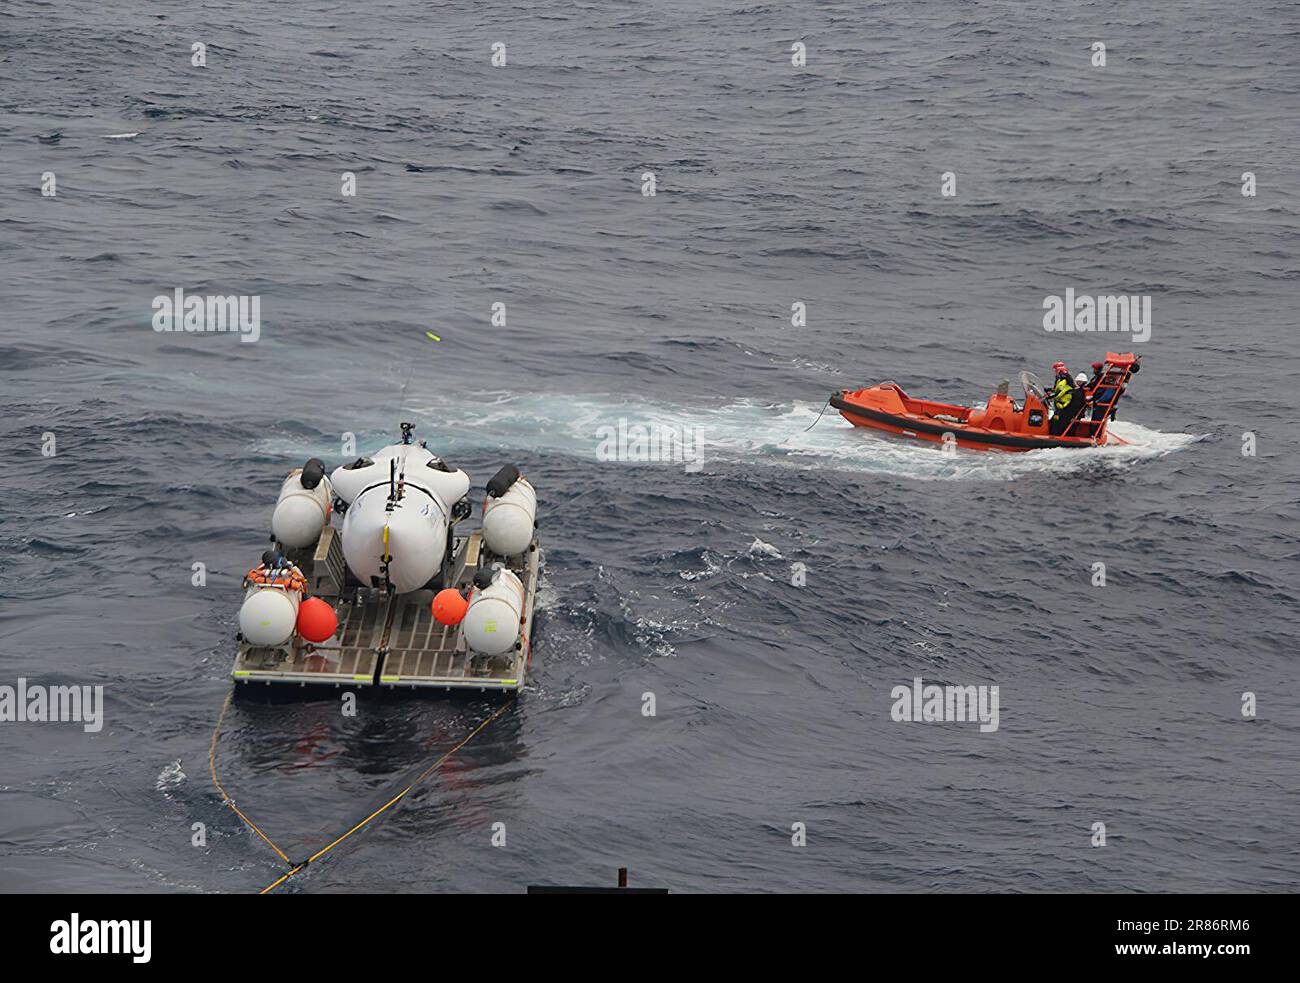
[520, 185]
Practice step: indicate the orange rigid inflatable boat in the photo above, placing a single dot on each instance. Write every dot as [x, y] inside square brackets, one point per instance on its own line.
[1003, 424]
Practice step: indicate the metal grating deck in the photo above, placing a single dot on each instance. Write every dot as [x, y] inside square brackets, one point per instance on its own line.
[400, 633]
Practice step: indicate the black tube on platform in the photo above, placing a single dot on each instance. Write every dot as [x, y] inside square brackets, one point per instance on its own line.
[502, 480]
[312, 473]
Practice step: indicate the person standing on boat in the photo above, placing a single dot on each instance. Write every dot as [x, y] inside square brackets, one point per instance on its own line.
[1074, 411]
[1096, 375]
[1060, 398]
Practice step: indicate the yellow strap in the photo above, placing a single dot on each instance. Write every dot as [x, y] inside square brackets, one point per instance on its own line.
[393, 801]
[212, 766]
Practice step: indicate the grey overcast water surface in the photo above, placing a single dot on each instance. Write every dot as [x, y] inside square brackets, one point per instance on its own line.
[521, 185]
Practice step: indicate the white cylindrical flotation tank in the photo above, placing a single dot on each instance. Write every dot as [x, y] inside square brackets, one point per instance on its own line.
[301, 512]
[269, 613]
[495, 615]
[509, 520]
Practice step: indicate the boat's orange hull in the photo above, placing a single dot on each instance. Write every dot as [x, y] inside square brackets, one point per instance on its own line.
[996, 427]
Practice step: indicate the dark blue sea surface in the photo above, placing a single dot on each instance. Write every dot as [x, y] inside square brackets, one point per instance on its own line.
[776, 185]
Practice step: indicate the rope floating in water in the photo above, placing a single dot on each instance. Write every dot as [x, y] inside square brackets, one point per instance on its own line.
[295, 868]
[819, 415]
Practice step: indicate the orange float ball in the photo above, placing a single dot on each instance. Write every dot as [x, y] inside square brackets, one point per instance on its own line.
[449, 607]
[316, 620]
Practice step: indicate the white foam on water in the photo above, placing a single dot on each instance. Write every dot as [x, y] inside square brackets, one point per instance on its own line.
[170, 778]
[837, 444]
[776, 434]
[742, 431]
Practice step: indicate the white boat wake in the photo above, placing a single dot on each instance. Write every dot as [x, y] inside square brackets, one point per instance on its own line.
[745, 431]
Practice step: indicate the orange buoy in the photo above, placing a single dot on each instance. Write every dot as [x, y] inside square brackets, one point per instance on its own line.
[316, 620]
[449, 607]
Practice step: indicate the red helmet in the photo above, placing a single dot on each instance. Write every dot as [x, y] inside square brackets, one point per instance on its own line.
[1058, 366]
[1097, 366]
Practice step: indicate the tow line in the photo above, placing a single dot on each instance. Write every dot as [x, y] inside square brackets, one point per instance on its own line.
[296, 867]
[819, 415]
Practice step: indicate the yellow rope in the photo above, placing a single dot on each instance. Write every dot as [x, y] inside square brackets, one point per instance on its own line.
[212, 765]
[225, 797]
[394, 800]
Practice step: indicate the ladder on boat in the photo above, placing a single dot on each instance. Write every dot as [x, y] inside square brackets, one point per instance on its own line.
[1115, 372]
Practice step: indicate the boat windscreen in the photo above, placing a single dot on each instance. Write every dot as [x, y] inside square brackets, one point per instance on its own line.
[1033, 387]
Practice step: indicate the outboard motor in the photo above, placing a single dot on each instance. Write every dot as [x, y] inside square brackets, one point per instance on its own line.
[509, 513]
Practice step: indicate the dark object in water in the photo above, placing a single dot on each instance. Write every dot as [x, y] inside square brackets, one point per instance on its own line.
[621, 889]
